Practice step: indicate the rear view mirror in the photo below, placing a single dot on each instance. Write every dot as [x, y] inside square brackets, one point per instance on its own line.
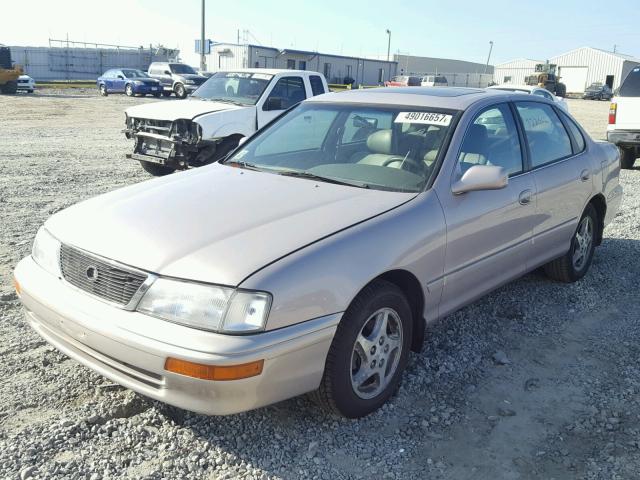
[360, 122]
[481, 177]
[274, 103]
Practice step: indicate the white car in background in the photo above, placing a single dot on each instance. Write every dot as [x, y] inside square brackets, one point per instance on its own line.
[26, 83]
[534, 90]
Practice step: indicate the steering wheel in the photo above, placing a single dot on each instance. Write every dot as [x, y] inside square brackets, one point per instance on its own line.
[406, 160]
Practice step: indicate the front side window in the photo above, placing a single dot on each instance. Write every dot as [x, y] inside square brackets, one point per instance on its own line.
[290, 90]
[492, 139]
[234, 87]
[134, 74]
[377, 147]
[181, 69]
[546, 136]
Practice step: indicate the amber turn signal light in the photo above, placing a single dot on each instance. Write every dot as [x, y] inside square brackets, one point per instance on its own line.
[16, 285]
[213, 372]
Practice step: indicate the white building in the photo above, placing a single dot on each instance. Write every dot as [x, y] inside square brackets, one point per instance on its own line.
[583, 66]
[336, 68]
[515, 71]
[577, 69]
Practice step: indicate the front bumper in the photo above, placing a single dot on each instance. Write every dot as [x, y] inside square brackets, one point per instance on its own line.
[624, 137]
[148, 89]
[131, 348]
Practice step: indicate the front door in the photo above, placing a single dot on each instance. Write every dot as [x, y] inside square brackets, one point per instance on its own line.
[489, 231]
[286, 92]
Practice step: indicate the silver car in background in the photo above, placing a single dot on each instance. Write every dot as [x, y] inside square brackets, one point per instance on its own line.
[313, 258]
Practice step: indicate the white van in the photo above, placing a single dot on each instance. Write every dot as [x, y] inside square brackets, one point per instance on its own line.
[434, 81]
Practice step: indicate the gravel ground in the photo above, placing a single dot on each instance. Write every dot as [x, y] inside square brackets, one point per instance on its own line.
[537, 380]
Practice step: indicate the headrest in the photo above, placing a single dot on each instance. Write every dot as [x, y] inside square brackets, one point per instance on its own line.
[476, 139]
[380, 142]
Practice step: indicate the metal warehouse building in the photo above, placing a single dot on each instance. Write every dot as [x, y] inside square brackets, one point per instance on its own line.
[577, 69]
[336, 68]
[458, 73]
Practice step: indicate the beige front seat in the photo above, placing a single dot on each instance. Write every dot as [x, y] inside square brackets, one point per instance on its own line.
[379, 145]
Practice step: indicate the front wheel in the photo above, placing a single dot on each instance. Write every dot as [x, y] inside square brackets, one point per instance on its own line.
[156, 169]
[369, 352]
[627, 158]
[103, 90]
[10, 87]
[574, 264]
[181, 92]
[129, 90]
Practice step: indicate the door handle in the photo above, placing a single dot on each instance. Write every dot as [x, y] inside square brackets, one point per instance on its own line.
[525, 197]
[585, 175]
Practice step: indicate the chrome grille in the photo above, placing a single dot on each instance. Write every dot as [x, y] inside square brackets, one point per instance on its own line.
[116, 284]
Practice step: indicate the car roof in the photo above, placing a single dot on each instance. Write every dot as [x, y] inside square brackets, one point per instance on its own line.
[456, 98]
[509, 86]
[270, 71]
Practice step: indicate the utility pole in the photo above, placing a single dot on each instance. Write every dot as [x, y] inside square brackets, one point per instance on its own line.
[615, 48]
[489, 57]
[203, 60]
[389, 53]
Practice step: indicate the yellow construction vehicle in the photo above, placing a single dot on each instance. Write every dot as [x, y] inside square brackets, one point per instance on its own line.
[9, 72]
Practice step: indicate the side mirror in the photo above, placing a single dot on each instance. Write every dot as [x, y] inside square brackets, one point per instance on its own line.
[274, 103]
[481, 177]
[167, 72]
[120, 77]
[242, 140]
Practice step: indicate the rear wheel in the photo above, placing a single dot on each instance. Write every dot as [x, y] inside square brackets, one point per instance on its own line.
[129, 90]
[156, 169]
[10, 87]
[369, 352]
[574, 264]
[627, 157]
[103, 90]
[181, 92]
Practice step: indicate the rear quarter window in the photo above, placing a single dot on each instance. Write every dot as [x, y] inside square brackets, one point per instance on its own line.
[317, 87]
[575, 132]
[631, 85]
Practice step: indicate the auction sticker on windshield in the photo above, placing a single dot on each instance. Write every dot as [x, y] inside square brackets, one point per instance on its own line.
[425, 118]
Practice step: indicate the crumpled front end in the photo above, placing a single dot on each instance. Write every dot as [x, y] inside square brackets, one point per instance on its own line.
[174, 143]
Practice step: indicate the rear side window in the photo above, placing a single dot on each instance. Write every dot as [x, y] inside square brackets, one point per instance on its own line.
[547, 138]
[631, 85]
[316, 85]
[575, 133]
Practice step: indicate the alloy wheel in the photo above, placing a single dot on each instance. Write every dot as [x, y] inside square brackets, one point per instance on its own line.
[582, 243]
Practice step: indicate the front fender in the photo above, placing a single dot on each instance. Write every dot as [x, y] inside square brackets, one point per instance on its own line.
[323, 278]
[222, 124]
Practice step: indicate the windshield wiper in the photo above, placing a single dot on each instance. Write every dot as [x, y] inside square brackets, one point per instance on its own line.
[313, 176]
[246, 165]
[223, 100]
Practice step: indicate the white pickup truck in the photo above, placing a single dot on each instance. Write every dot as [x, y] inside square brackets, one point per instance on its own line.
[231, 105]
[624, 119]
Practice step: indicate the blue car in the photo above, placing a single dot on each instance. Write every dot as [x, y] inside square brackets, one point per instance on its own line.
[129, 81]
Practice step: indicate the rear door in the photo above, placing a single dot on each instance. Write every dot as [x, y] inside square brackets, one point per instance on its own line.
[489, 231]
[628, 102]
[563, 176]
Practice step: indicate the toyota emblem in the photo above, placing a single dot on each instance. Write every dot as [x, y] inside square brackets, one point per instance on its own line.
[92, 273]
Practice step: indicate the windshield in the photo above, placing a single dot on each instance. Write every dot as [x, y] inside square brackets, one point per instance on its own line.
[378, 147]
[631, 85]
[134, 74]
[182, 68]
[237, 87]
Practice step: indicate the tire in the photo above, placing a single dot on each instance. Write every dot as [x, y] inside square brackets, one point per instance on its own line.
[180, 91]
[128, 90]
[350, 386]
[103, 90]
[157, 95]
[566, 268]
[166, 94]
[627, 158]
[30, 91]
[10, 87]
[561, 90]
[156, 169]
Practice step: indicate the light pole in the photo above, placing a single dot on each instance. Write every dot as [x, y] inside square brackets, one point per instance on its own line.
[203, 61]
[389, 53]
[489, 57]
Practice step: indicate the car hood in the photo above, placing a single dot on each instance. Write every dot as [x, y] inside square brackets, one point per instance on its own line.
[216, 224]
[173, 110]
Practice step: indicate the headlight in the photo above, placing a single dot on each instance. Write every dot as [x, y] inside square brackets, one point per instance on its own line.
[46, 251]
[209, 307]
[189, 82]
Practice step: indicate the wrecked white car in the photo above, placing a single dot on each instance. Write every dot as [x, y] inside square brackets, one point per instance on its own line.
[202, 129]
